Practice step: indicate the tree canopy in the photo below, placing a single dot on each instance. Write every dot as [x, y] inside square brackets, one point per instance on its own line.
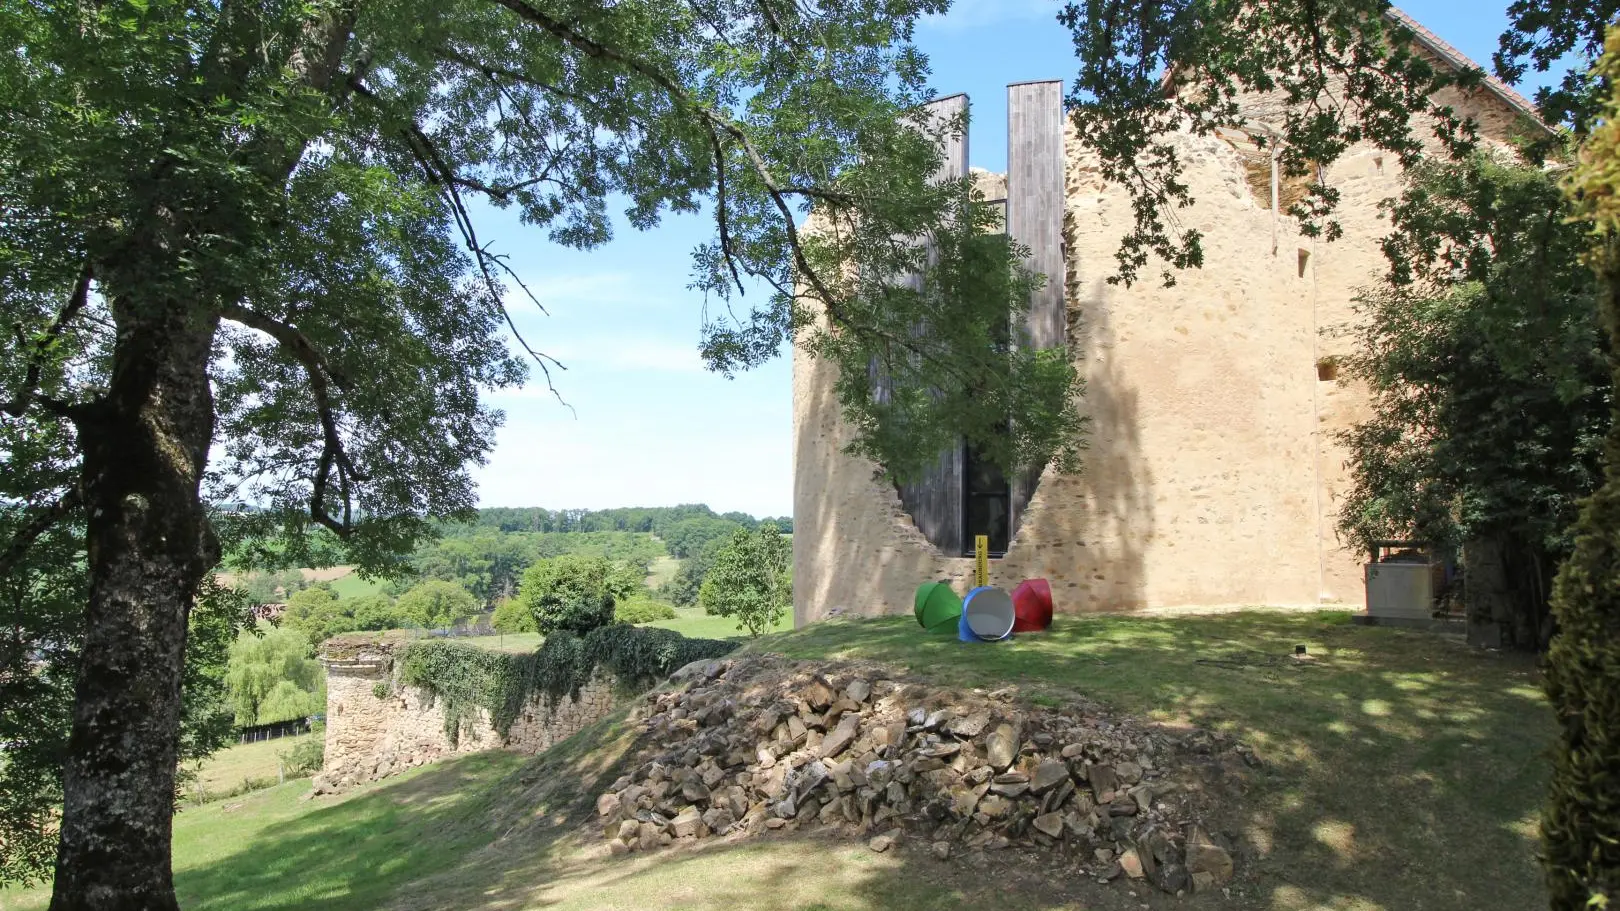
[750, 579]
[242, 263]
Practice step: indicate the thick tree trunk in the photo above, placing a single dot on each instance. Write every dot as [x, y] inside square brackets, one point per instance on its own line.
[1507, 590]
[149, 546]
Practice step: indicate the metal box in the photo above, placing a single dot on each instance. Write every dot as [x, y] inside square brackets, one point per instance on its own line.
[1397, 589]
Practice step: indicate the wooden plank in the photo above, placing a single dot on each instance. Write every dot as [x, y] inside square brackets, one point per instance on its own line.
[1035, 199]
[934, 501]
[1034, 215]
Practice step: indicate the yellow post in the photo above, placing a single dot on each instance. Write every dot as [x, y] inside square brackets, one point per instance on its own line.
[981, 560]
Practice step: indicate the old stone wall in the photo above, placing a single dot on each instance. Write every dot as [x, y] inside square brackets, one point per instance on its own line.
[376, 727]
[1212, 476]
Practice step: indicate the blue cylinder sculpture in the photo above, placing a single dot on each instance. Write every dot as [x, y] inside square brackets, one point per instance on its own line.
[987, 615]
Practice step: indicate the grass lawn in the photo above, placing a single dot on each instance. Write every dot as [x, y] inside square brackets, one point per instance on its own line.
[692, 621]
[350, 585]
[662, 570]
[689, 621]
[506, 642]
[1403, 773]
[228, 769]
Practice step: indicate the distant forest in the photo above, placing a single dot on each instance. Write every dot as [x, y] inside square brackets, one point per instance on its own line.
[664, 551]
[658, 520]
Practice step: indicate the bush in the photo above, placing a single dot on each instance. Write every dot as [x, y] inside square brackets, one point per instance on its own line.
[307, 755]
[569, 592]
[512, 617]
[436, 604]
[642, 610]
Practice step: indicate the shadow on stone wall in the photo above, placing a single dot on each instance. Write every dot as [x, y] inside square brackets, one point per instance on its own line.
[1087, 533]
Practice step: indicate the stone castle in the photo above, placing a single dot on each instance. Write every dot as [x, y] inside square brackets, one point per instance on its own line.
[1212, 475]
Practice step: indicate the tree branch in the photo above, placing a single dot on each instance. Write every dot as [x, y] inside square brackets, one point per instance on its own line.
[318, 369]
[29, 393]
[677, 93]
[33, 528]
[720, 206]
[442, 175]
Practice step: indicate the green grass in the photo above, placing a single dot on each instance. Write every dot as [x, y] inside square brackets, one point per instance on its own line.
[689, 621]
[662, 570]
[229, 770]
[1402, 772]
[352, 586]
[693, 622]
[507, 642]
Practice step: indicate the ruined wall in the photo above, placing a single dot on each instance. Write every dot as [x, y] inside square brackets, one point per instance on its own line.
[1212, 477]
[371, 736]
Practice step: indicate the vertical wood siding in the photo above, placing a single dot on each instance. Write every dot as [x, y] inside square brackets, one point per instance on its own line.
[1035, 219]
[934, 501]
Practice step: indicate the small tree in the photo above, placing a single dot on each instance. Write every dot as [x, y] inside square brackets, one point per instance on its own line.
[511, 616]
[749, 579]
[318, 614]
[570, 592]
[263, 664]
[436, 604]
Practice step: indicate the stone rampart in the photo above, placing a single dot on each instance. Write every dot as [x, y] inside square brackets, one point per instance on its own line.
[377, 727]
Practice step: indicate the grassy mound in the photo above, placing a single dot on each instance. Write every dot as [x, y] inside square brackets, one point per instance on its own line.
[1401, 771]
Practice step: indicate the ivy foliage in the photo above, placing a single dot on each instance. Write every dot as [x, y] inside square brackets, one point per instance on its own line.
[468, 680]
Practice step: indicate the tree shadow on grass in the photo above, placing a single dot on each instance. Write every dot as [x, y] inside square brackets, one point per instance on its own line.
[1402, 770]
[1399, 773]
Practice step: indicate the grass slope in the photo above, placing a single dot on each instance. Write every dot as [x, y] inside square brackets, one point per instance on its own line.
[1403, 772]
[233, 767]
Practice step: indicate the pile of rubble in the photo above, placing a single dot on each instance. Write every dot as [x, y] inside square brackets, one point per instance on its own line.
[760, 743]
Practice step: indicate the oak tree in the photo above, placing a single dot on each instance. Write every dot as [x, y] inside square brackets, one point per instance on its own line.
[240, 261]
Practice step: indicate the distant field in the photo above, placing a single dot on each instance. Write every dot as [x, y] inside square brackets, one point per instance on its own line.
[350, 584]
[506, 642]
[662, 570]
[689, 621]
[693, 622]
[227, 770]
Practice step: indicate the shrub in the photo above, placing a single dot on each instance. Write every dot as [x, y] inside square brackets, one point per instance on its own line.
[569, 592]
[512, 617]
[642, 610]
[307, 755]
[436, 604]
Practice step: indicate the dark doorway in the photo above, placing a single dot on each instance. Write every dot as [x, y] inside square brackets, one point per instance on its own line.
[986, 503]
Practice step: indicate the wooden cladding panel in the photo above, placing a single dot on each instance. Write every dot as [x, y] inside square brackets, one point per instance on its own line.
[1034, 218]
[934, 501]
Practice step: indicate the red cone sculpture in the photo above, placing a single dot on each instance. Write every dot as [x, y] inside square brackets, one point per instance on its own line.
[1032, 606]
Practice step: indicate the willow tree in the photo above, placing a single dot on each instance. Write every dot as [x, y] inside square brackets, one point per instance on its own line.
[1349, 72]
[240, 254]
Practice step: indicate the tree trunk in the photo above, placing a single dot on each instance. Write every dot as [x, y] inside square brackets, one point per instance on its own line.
[149, 542]
[1507, 593]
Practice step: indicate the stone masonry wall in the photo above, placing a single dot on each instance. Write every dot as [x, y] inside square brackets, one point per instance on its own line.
[1212, 476]
[369, 737]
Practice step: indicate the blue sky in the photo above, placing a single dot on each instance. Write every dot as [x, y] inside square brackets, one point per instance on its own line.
[650, 426]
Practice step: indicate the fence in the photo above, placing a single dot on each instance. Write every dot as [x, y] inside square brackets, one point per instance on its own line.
[273, 731]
